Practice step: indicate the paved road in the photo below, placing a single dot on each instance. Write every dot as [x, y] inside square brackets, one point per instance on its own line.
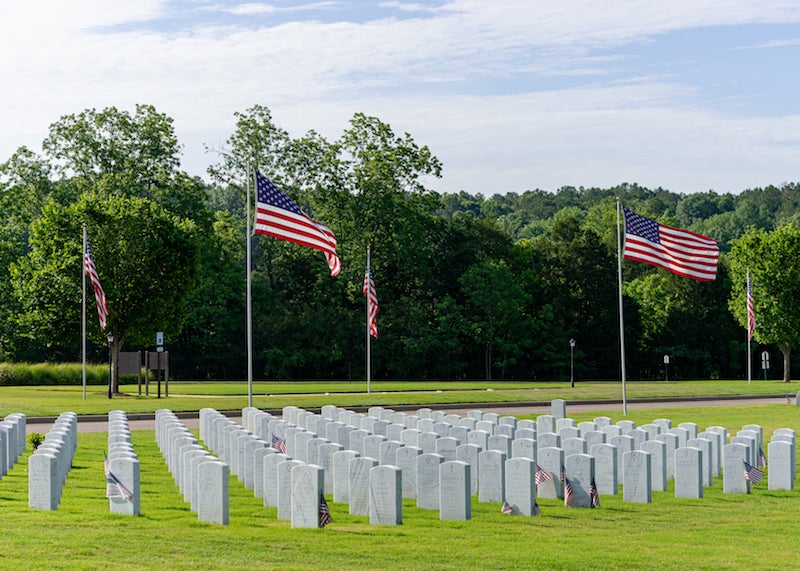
[98, 423]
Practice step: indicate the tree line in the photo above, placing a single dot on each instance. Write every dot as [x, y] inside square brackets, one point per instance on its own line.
[469, 286]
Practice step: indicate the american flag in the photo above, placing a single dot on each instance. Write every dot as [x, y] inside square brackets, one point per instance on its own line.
[114, 488]
[278, 216]
[751, 313]
[679, 251]
[567, 492]
[762, 459]
[507, 509]
[566, 486]
[536, 509]
[594, 497]
[278, 444]
[324, 514]
[752, 474]
[99, 295]
[541, 476]
[372, 302]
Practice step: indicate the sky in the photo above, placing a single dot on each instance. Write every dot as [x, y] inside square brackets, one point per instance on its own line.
[510, 95]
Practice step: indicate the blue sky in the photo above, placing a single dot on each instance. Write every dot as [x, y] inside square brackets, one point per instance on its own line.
[510, 95]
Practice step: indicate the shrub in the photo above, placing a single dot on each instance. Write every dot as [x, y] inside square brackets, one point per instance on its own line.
[37, 374]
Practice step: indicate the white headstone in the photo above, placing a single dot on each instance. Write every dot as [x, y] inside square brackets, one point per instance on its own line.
[521, 485]
[455, 500]
[688, 472]
[385, 495]
[638, 478]
[359, 484]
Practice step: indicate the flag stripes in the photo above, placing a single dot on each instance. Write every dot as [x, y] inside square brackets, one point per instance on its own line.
[541, 476]
[752, 474]
[99, 295]
[278, 444]
[324, 513]
[115, 489]
[372, 302]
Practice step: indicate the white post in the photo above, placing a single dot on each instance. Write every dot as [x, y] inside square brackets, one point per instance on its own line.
[369, 360]
[749, 335]
[249, 299]
[83, 314]
[621, 320]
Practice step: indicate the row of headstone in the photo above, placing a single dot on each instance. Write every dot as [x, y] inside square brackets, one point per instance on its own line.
[13, 430]
[203, 479]
[50, 463]
[294, 487]
[122, 469]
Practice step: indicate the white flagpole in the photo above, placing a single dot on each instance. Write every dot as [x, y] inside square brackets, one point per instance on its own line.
[621, 320]
[749, 354]
[83, 314]
[249, 299]
[369, 359]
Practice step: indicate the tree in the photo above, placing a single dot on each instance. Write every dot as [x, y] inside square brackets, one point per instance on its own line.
[496, 318]
[146, 259]
[770, 257]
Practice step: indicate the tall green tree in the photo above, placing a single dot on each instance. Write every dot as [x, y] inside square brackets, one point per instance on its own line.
[146, 259]
[770, 257]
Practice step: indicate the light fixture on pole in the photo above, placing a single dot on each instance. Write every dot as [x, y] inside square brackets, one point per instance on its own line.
[666, 367]
[110, 337]
[572, 363]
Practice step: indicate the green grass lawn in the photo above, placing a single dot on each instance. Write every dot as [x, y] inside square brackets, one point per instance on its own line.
[52, 400]
[717, 532]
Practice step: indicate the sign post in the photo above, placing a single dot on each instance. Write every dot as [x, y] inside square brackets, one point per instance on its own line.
[159, 350]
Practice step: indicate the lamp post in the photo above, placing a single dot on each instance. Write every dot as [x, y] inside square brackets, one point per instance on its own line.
[666, 367]
[572, 363]
[110, 337]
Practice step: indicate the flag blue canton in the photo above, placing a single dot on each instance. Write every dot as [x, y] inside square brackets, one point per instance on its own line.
[641, 226]
[268, 193]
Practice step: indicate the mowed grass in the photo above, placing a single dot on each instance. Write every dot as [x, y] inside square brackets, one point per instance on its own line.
[186, 396]
[717, 532]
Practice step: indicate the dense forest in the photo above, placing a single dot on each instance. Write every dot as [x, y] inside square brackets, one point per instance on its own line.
[469, 286]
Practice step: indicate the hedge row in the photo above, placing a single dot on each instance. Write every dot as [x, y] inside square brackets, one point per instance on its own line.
[32, 374]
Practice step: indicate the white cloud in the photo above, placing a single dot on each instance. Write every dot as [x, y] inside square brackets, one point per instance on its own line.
[255, 8]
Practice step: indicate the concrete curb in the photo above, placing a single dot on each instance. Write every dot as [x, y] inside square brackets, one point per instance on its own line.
[532, 404]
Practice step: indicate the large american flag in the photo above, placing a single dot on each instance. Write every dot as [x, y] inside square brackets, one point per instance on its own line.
[278, 216]
[751, 313]
[99, 295]
[679, 251]
[372, 302]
